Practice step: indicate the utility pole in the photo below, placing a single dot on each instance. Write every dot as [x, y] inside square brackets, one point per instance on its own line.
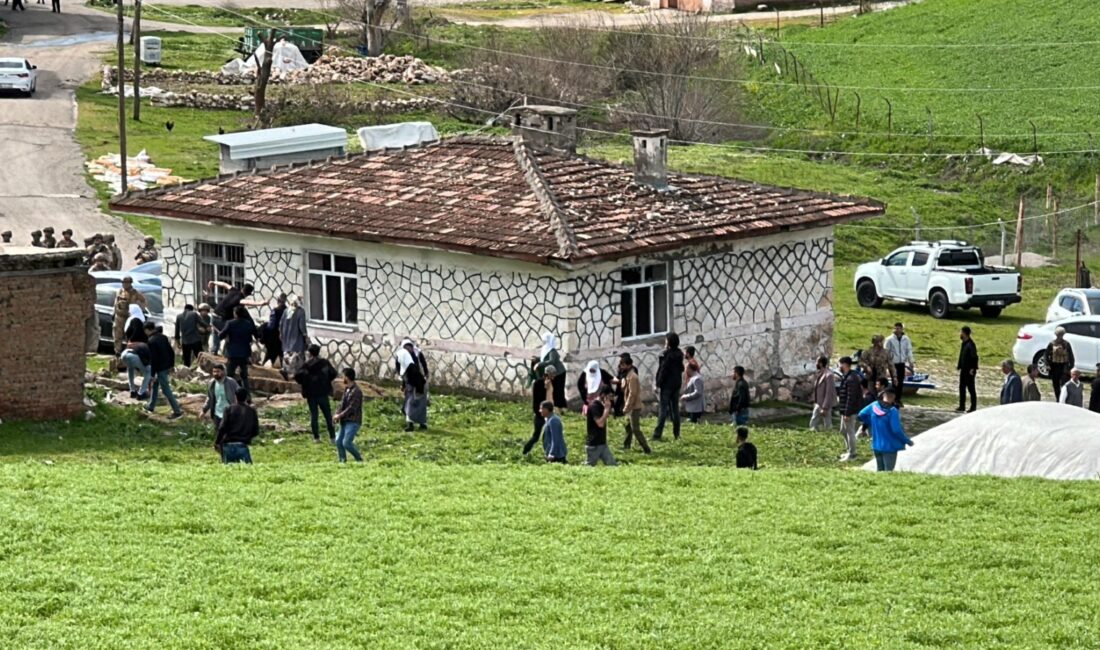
[1020, 235]
[135, 33]
[121, 97]
[1077, 264]
[1004, 232]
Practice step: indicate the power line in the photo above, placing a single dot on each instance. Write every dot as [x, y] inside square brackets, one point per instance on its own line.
[744, 149]
[709, 78]
[1046, 215]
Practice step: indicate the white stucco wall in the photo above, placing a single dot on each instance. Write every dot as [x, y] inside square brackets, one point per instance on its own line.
[764, 303]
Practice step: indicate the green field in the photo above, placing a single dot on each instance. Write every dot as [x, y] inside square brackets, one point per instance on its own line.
[126, 533]
[959, 59]
[289, 553]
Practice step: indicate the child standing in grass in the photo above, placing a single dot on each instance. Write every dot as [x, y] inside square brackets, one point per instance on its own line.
[694, 397]
[887, 436]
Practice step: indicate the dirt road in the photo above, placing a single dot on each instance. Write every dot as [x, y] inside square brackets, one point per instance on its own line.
[43, 181]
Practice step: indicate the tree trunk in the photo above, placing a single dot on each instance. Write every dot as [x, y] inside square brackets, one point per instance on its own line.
[262, 77]
[135, 34]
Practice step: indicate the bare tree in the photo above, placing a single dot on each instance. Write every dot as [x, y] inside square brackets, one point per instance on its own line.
[368, 15]
[330, 9]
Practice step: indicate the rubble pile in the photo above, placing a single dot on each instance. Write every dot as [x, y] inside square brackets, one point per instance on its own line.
[387, 68]
[208, 101]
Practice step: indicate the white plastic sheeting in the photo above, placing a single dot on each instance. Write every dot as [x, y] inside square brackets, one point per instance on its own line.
[1040, 439]
[285, 58]
[402, 134]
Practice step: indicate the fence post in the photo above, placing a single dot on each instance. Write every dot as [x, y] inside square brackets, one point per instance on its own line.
[1096, 203]
[1004, 232]
[1050, 196]
[1054, 232]
[1077, 264]
[1020, 234]
[916, 224]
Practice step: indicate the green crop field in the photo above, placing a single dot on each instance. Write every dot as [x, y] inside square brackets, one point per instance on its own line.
[123, 552]
[957, 59]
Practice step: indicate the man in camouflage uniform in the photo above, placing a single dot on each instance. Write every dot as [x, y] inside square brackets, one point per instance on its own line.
[95, 246]
[36, 239]
[67, 239]
[147, 252]
[100, 263]
[876, 361]
[5, 237]
[115, 251]
[127, 295]
[49, 240]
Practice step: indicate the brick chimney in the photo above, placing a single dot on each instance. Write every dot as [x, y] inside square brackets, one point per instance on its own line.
[651, 158]
[546, 127]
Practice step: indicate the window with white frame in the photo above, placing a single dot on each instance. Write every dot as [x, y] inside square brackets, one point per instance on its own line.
[332, 288]
[218, 263]
[645, 300]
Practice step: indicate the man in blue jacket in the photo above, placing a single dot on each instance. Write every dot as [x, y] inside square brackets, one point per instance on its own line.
[887, 436]
[553, 435]
[1012, 390]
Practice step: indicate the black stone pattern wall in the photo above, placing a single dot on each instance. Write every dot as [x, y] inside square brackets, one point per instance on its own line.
[731, 303]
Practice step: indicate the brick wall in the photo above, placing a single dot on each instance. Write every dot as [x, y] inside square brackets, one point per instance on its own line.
[45, 301]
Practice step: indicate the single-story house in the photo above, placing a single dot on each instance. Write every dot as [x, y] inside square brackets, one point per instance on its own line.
[476, 245]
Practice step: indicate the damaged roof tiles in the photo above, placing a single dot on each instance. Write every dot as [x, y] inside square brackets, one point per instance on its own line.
[497, 197]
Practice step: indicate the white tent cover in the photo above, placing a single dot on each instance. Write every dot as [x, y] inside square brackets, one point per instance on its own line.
[285, 58]
[1041, 439]
[402, 134]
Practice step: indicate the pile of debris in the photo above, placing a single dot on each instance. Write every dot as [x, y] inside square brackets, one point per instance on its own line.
[207, 101]
[386, 69]
[141, 173]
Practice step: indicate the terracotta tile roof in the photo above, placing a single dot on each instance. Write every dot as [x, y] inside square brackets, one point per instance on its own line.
[497, 197]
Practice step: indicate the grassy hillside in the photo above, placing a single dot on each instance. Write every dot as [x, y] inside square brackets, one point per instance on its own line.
[129, 555]
[930, 45]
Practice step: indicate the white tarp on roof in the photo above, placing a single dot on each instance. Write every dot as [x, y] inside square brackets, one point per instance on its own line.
[285, 58]
[402, 134]
[1042, 439]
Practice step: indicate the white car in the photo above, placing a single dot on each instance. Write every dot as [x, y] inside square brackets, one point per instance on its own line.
[18, 74]
[942, 275]
[1074, 302]
[1082, 332]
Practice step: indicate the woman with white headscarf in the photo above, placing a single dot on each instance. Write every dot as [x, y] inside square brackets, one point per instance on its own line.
[134, 328]
[415, 384]
[590, 382]
[294, 337]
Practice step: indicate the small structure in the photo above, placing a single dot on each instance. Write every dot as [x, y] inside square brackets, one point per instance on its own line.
[266, 148]
[47, 298]
[477, 245]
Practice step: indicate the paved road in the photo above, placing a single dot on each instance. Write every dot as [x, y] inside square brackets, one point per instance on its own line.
[43, 179]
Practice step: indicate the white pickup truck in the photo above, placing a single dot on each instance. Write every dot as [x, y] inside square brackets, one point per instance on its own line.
[942, 275]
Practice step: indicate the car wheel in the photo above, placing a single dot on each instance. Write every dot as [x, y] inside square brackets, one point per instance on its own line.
[1040, 362]
[867, 295]
[991, 312]
[938, 305]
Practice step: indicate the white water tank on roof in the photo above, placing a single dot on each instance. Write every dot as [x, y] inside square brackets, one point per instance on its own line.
[150, 50]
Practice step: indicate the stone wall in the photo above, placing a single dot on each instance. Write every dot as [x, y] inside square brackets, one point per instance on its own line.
[45, 302]
[764, 303]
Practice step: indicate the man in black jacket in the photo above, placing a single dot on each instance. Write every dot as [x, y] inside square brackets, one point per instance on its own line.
[316, 376]
[163, 361]
[968, 370]
[238, 427]
[850, 400]
[670, 372]
[739, 398]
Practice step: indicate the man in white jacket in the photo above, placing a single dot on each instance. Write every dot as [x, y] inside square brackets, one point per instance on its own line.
[900, 349]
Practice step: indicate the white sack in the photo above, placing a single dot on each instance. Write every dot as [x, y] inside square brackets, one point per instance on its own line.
[1041, 439]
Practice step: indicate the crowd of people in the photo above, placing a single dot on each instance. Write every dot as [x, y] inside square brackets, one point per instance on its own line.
[102, 253]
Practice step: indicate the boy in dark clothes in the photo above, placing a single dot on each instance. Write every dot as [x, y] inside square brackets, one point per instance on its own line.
[238, 427]
[746, 451]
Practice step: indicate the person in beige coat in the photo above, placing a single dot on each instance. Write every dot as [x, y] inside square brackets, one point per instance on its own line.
[632, 402]
[824, 396]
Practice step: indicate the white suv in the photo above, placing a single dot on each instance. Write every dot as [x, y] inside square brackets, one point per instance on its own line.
[1074, 302]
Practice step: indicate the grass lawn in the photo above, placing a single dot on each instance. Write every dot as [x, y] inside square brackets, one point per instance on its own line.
[504, 9]
[229, 16]
[920, 62]
[124, 551]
